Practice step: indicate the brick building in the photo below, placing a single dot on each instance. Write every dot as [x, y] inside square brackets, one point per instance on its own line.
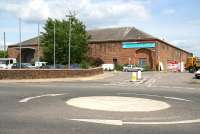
[128, 45]
[29, 51]
[125, 45]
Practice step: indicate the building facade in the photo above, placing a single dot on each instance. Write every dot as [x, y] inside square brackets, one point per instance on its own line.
[131, 46]
[125, 45]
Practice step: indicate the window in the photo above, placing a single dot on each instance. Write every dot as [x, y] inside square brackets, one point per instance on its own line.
[114, 61]
[11, 61]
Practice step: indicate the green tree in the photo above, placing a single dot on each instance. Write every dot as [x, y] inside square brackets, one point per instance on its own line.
[79, 41]
[2, 54]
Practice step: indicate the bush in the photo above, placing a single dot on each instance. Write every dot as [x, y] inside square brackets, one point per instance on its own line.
[147, 68]
[84, 65]
[119, 67]
[96, 62]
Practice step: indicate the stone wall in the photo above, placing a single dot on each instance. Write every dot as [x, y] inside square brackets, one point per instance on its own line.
[48, 73]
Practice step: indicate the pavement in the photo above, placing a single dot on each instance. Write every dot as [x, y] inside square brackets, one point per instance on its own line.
[161, 103]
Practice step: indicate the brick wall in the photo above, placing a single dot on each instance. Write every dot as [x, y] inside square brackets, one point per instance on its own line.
[167, 53]
[46, 73]
[113, 50]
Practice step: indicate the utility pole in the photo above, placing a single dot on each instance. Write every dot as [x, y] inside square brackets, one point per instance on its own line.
[69, 46]
[38, 41]
[54, 48]
[4, 35]
[20, 45]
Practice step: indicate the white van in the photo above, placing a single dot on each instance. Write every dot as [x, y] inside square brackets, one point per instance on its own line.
[108, 67]
[7, 63]
[40, 64]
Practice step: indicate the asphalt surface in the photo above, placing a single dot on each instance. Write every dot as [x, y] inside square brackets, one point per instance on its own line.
[40, 108]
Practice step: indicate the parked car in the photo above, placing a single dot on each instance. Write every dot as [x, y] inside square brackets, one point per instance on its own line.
[23, 65]
[197, 74]
[57, 66]
[132, 68]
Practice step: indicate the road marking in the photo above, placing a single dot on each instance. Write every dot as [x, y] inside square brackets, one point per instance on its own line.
[35, 97]
[190, 88]
[163, 123]
[166, 97]
[126, 83]
[99, 121]
[175, 98]
[118, 104]
[150, 82]
[120, 122]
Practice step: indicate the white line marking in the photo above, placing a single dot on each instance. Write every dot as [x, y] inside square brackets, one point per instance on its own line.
[100, 121]
[150, 82]
[166, 97]
[175, 98]
[120, 122]
[34, 97]
[190, 88]
[163, 123]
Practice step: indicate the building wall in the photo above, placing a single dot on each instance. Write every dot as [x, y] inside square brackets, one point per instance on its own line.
[162, 53]
[113, 50]
[14, 52]
[166, 53]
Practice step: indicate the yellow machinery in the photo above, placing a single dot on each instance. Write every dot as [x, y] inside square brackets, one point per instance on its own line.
[192, 64]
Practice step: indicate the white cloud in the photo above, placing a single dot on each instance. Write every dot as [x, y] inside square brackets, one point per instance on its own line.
[91, 12]
[189, 45]
[29, 10]
[168, 11]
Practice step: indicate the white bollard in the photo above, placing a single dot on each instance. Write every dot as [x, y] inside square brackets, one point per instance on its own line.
[139, 75]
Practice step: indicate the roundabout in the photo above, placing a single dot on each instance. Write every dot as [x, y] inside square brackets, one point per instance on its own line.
[93, 108]
[125, 105]
[118, 104]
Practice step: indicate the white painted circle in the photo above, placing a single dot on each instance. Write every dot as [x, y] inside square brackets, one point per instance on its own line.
[118, 104]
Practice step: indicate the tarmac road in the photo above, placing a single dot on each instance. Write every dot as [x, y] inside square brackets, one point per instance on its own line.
[73, 107]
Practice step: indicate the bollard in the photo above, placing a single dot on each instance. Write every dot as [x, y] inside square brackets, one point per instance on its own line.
[133, 76]
[139, 75]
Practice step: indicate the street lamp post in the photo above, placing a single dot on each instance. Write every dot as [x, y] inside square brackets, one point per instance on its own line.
[38, 41]
[4, 38]
[20, 45]
[69, 42]
[54, 46]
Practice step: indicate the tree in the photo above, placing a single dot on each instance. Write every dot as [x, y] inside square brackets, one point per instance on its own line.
[2, 54]
[79, 41]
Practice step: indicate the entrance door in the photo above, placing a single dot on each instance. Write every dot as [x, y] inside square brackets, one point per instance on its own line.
[143, 62]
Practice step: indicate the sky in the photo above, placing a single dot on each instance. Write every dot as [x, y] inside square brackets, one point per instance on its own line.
[175, 21]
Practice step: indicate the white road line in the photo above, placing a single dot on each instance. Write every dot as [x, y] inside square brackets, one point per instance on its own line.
[163, 123]
[100, 121]
[175, 98]
[166, 97]
[35, 97]
[190, 88]
[150, 82]
[120, 122]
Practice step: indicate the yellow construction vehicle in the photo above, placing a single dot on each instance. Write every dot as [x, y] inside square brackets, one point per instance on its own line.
[192, 64]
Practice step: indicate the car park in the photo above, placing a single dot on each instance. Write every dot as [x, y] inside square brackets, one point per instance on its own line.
[23, 65]
[197, 74]
[57, 66]
[132, 68]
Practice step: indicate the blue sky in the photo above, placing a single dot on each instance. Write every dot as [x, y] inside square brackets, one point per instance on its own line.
[176, 21]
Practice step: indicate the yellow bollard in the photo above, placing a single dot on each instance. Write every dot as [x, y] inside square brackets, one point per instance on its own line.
[133, 76]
